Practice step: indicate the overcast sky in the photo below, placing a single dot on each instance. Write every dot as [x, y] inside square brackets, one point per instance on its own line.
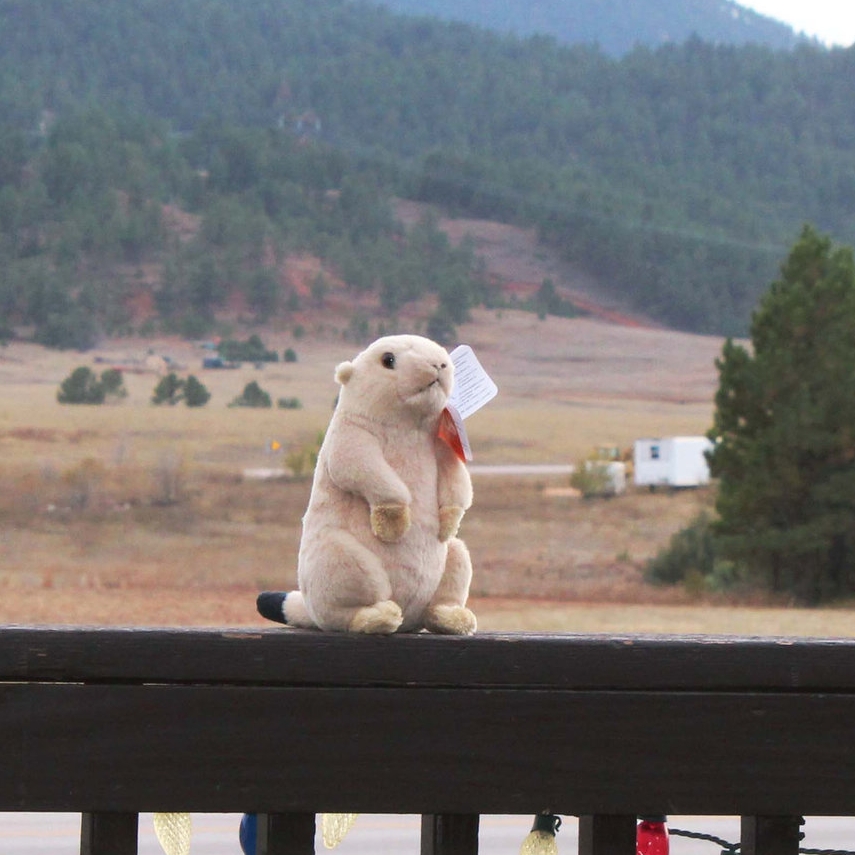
[831, 21]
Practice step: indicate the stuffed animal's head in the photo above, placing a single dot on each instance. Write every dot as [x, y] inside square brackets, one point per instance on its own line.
[397, 374]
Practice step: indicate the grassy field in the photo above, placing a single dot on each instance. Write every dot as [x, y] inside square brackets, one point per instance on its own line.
[135, 514]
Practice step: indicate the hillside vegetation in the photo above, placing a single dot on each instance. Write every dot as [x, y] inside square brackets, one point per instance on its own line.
[677, 177]
[88, 248]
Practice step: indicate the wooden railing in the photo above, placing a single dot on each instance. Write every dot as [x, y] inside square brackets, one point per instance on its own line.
[287, 724]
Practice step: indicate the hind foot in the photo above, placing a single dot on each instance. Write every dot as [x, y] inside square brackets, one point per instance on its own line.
[382, 618]
[450, 620]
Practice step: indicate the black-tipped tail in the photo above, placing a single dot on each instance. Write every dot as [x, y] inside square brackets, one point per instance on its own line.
[271, 605]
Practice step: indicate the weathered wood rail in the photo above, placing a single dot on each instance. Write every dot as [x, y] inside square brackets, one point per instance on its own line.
[113, 722]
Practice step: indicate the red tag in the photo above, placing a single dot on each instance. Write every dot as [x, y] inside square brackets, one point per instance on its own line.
[452, 433]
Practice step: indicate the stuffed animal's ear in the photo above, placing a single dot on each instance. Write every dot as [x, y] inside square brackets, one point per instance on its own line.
[344, 372]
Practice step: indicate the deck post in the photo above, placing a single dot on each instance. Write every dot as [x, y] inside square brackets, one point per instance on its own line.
[607, 834]
[450, 834]
[109, 833]
[770, 835]
[285, 834]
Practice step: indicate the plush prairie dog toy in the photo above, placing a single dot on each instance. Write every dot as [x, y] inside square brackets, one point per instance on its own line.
[379, 551]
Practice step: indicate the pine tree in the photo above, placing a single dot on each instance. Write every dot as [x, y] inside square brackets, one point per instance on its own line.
[784, 429]
[252, 396]
[113, 383]
[196, 394]
[81, 387]
[169, 390]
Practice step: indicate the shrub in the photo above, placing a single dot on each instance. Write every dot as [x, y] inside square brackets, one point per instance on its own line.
[113, 383]
[302, 461]
[549, 302]
[170, 390]
[289, 404]
[592, 478]
[83, 386]
[691, 558]
[290, 355]
[252, 396]
[196, 393]
[251, 350]
[297, 460]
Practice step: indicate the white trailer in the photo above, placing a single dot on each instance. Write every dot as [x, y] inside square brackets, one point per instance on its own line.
[671, 461]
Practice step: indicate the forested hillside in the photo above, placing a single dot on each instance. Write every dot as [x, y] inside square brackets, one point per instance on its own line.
[677, 176]
[617, 26]
[96, 221]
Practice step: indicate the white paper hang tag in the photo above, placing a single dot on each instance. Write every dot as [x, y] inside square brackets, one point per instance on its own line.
[473, 386]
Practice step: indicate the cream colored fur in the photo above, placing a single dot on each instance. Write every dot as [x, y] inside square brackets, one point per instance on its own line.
[379, 551]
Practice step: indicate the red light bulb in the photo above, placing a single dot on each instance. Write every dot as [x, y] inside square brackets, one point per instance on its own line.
[652, 836]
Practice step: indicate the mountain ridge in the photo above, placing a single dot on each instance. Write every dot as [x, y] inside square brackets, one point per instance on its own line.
[617, 26]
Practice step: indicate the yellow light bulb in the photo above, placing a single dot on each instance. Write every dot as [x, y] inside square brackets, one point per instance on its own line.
[541, 838]
[334, 827]
[173, 831]
[539, 843]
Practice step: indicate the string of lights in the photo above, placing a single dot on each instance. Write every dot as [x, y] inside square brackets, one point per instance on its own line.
[727, 848]
[652, 838]
[652, 835]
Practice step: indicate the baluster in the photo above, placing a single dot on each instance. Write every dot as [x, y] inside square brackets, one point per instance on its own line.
[770, 835]
[607, 834]
[285, 834]
[450, 834]
[109, 833]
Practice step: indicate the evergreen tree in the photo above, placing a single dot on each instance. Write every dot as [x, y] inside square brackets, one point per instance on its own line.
[81, 387]
[785, 430]
[196, 394]
[252, 396]
[169, 390]
[113, 383]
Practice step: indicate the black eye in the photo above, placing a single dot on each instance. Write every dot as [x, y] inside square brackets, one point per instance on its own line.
[388, 360]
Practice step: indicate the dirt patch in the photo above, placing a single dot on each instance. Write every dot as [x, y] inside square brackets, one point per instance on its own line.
[517, 264]
[181, 223]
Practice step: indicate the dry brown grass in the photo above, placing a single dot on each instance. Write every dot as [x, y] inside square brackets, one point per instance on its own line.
[134, 514]
[653, 618]
[543, 543]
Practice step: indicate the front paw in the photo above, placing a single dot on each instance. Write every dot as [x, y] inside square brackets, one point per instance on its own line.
[449, 522]
[389, 523]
